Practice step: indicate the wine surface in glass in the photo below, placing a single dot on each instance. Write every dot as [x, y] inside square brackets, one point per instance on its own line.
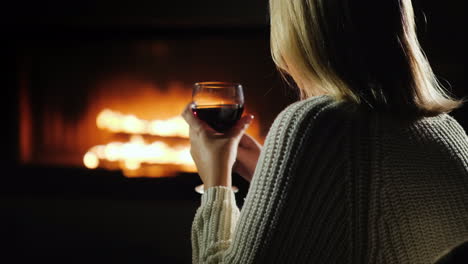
[219, 117]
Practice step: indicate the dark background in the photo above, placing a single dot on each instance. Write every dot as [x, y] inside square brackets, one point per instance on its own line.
[74, 215]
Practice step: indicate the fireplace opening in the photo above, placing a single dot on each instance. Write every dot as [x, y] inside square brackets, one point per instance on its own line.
[115, 105]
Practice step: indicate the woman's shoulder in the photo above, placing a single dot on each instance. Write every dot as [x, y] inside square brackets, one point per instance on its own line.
[317, 107]
[318, 111]
[315, 102]
[442, 130]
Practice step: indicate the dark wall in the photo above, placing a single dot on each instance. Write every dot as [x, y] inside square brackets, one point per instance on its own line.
[442, 31]
[139, 12]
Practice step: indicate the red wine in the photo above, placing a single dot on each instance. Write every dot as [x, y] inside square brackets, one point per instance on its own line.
[220, 117]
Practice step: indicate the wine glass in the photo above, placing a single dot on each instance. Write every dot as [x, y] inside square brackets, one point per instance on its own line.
[218, 104]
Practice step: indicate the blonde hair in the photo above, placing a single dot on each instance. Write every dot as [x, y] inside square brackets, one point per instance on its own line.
[364, 51]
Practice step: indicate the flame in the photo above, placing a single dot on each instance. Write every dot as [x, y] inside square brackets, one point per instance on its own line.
[136, 152]
[91, 160]
[131, 155]
[134, 156]
[120, 123]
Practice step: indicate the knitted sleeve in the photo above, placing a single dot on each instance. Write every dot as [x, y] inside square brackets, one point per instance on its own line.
[222, 234]
[214, 225]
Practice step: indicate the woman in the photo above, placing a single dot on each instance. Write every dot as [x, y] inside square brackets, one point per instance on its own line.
[367, 168]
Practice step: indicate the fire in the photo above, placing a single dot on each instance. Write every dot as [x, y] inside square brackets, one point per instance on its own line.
[91, 160]
[136, 152]
[130, 156]
[119, 123]
[154, 148]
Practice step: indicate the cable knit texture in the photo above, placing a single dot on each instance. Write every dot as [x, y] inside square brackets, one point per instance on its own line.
[337, 183]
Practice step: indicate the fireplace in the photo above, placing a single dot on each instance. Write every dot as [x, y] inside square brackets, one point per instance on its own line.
[115, 103]
[96, 134]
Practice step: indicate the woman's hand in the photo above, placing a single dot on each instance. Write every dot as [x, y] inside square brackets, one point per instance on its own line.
[247, 157]
[214, 153]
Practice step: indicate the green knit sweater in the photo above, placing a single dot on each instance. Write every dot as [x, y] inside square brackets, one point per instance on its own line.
[336, 183]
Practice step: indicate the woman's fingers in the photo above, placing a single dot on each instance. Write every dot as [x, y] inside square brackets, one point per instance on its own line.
[198, 125]
[248, 142]
[191, 120]
[241, 126]
[195, 124]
